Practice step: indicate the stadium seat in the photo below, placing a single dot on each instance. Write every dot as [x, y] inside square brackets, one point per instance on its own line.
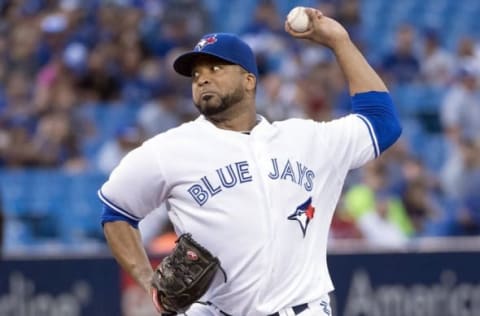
[433, 151]
[43, 204]
[80, 217]
[416, 99]
[14, 185]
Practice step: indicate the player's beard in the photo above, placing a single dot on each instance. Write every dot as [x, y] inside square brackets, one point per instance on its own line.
[218, 104]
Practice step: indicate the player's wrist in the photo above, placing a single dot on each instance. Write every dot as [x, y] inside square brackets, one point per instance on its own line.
[145, 281]
[156, 302]
[341, 43]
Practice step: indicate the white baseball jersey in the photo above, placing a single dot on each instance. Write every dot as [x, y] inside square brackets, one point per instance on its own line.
[262, 203]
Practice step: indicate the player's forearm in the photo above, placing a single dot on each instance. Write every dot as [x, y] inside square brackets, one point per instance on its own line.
[125, 243]
[359, 74]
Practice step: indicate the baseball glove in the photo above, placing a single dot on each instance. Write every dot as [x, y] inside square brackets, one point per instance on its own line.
[185, 275]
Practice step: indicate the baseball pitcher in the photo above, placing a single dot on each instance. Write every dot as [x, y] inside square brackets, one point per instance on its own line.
[251, 200]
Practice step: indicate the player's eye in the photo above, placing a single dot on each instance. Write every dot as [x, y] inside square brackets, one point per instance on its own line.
[195, 74]
[216, 68]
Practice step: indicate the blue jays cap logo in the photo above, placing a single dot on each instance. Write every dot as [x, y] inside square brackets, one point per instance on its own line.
[303, 215]
[205, 41]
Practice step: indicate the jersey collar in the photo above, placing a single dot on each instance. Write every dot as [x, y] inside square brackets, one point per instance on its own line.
[263, 130]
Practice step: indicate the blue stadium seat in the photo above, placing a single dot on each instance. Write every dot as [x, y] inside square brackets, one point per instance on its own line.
[14, 185]
[42, 204]
[415, 99]
[80, 217]
[434, 151]
[414, 133]
[46, 190]
[17, 236]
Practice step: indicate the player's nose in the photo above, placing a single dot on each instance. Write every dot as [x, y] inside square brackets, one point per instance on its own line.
[203, 79]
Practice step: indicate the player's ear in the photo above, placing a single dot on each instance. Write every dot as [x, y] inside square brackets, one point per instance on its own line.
[251, 81]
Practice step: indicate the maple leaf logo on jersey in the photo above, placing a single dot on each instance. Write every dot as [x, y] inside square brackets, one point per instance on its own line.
[205, 41]
[303, 215]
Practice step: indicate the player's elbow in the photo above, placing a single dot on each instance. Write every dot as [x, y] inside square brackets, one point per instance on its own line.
[379, 109]
[394, 130]
[387, 128]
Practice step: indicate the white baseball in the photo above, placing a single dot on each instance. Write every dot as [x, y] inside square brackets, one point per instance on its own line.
[298, 19]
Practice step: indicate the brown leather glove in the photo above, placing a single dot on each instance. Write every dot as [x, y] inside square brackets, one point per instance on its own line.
[185, 275]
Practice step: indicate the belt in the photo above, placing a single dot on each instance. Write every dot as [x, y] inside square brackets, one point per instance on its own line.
[296, 309]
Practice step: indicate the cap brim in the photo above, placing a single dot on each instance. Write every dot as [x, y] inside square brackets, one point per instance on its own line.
[184, 63]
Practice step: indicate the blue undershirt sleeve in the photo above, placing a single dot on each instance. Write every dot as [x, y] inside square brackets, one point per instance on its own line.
[110, 215]
[379, 111]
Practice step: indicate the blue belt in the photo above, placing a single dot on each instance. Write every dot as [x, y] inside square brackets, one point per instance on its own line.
[296, 309]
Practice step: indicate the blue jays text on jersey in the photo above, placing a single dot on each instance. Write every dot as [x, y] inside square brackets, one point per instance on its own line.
[238, 172]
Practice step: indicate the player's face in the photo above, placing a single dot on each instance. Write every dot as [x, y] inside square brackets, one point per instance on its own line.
[216, 85]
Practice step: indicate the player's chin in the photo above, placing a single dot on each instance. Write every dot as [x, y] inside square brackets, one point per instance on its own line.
[210, 107]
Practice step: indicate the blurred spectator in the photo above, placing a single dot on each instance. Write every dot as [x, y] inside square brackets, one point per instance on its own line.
[327, 7]
[348, 14]
[460, 110]
[265, 18]
[269, 42]
[182, 84]
[179, 23]
[465, 219]
[193, 14]
[132, 87]
[377, 228]
[18, 109]
[152, 76]
[55, 88]
[55, 29]
[4, 51]
[23, 41]
[100, 82]
[460, 114]
[53, 144]
[402, 64]
[469, 215]
[74, 58]
[437, 64]
[394, 161]
[344, 225]
[417, 195]
[466, 54]
[162, 112]
[14, 138]
[418, 188]
[377, 211]
[2, 225]
[317, 91]
[4, 143]
[110, 154]
[277, 98]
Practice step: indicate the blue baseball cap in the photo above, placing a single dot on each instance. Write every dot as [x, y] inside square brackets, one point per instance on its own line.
[226, 46]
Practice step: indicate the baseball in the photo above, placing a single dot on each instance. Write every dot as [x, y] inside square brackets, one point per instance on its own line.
[298, 19]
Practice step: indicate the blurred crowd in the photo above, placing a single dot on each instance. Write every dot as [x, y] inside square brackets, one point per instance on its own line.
[64, 62]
